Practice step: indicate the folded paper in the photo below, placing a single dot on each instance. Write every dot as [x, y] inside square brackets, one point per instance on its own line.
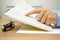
[18, 12]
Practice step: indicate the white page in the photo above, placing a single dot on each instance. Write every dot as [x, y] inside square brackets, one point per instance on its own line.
[32, 30]
[55, 31]
[18, 12]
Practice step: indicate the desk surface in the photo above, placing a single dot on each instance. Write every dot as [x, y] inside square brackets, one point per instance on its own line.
[11, 35]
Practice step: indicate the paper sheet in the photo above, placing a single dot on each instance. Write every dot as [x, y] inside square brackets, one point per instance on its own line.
[18, 12]
[55, 31]
[26, 29]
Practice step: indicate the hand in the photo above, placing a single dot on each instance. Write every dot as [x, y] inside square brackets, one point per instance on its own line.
[44, 16]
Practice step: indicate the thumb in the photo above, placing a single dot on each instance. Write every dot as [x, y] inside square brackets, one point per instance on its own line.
[35, 11]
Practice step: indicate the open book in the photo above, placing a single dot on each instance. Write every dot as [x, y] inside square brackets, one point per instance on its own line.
[18, 12]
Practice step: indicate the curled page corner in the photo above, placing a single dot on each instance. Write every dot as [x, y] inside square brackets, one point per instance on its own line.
[18, 12]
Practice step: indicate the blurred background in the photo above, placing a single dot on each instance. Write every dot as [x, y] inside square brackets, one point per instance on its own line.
[6, 5]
